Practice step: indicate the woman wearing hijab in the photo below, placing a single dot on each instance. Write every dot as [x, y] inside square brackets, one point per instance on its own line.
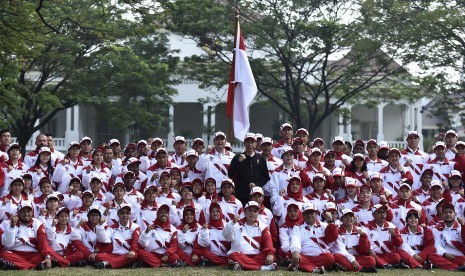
[293, 218]
[159, 241]
[294, 195]
[187, 237]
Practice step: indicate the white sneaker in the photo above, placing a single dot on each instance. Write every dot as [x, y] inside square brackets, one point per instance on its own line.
[271, 267]
[319, 270]
[236, 267]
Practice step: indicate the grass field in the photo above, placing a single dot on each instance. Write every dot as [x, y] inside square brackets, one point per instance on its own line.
[204, 272]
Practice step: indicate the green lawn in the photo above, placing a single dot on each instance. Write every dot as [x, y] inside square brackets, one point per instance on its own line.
[202, 271]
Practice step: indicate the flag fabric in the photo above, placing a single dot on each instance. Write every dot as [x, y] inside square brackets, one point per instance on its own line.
[242, 89]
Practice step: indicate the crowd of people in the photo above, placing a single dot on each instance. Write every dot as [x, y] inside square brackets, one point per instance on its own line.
[310, 206]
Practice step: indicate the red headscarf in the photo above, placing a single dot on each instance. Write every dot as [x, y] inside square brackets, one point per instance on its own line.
[291, 223]
[166, 224]
[193, 225]
[297, 196]
[219, 223]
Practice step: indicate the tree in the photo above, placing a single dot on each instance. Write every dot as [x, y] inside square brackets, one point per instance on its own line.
[296, 48]
[432, 36]
[62, 53]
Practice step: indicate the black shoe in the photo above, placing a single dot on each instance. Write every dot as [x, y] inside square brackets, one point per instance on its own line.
[40, 266]
[137, 265]
[100, 265]
[9, 267]
[462, 268]
[81, 263]
[427, 265]
[388, 266]
[369, 270]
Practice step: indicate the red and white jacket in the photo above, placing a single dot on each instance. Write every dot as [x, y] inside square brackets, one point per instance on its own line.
[248, 239]
[103, 173]
[392, 178]
[421, 194]
[400, 209]
[11, 172]
[449, 239]
[215, 165]
[311, 171]
[280, 207]
[11, 207]
[199, 214]
[168, 198]
[351, 243]
[313, 240]
[429, 206]
[364, 215]
[416, 243]
[441, 170]
[187, 240]
[61, 241]
[375, 165]
[122, 238]
[230, 208]
[278, 148]
[279, 180]
[159, 240]
[156, 170]
[63, 174]
[213, 239]
[419, 160]
[25, 238]
[381, 241]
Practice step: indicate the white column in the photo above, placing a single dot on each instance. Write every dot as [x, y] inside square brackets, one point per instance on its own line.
[349, 124]
[412, 117]
[31, 142]
[380, 136]
[419, 124]
[340, 123]
[169, 143]
[72, 125]
[205, 122]
[406, 123]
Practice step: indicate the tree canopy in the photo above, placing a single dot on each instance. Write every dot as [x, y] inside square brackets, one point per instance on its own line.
[308, 57]
[57, 54]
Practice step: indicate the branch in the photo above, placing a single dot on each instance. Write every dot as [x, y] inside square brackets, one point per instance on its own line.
[38, 9]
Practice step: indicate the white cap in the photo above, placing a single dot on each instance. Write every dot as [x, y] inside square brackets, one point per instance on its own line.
[124, 205]
[346, 211]
[454, 173]
[359, 155]
[25, 204]
[302, 130]
[258, 136]
[142, 142]
[85, 138]
[283, 126]
[161, 150]
[228, 181]
[94, 207]
[286, 149]
[250, 136]
[218, 134]
[405, 184]
[72, 144]
[309, 207]
[462, 143]
[451, 131]
[114, 141]
[199, 140]
[45, 149]
[439, 144]
[350, 182]
[315, 150]
[157, 139]
[436, 183]
[330, 206]
[192, 153]
[337, 172]
[251, 204]
[319, 175]
[379, 206]
[383, 145]
[267, 140]
[338, 138]
[256, 190]
[375, 175]
[179, 138]
[133, 160]
[412, 133]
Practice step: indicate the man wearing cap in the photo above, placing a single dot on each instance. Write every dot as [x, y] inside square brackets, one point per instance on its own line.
[248, 169]
[129, 151]
[24, 241]
[352, 246]
[311, 242]
[313, 166]
[115, 146]
[162, 164]
[329, 159]
[459, 158]
[157, 143]
[303, 134]
[440, 165]
[383, 151]
[374, 163]
[12, 168]
[359, 147]
[393, 173]
[429, 204]
[286, 133]
[251, 242]
[124, 238]
[449, 241]
[216, 163]
[404, 203]
[451, 141]
[320, 196]
[319, 143]
[9, 203]
[190, 171]
[423, 193]
[338, 148]
[280, 177]
[198, 145]
[298, 146]
[141, 154]
[350, 200]
[179, 155]
[364, 210]
[69, 167]
[80, 213]
[133, 167]
[31, 157]
[384, 238]
[265, 215]
[413, 157]
[86, 149]
[337, 182]
[5, 140]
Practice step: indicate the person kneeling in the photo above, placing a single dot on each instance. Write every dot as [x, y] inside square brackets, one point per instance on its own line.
[251, 242]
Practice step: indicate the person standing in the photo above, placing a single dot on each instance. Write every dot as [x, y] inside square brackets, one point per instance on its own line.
[248, 169]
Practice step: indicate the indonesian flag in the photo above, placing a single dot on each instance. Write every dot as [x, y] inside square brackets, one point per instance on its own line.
[242, 89]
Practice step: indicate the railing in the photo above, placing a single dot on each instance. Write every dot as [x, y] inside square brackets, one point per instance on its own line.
[59, 144]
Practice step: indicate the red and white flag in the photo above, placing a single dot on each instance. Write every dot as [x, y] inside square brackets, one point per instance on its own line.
[242, 88]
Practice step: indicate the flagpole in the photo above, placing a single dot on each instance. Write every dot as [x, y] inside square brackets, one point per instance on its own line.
[231, 119]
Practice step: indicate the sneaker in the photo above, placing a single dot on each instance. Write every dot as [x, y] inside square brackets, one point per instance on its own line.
[101, 265]
[181, 263]
[403, 265]
[319, 270]
[337, 267]
[388, 266]
[271, 267]
[137, 265]
[40, 266]
[369, 270]
[462, 268]
[428, 265]
[293, 267]
[236, 267]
